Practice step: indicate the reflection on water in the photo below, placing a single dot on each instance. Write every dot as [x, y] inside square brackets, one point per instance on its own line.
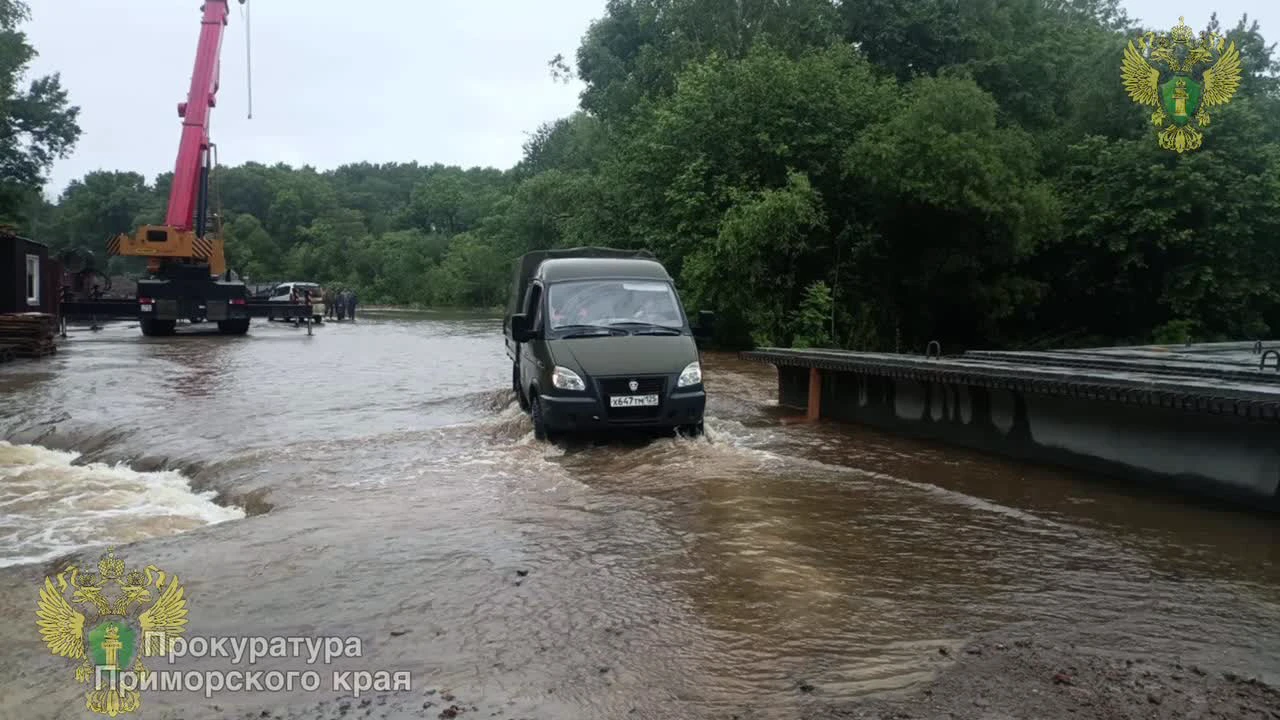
[701, 574]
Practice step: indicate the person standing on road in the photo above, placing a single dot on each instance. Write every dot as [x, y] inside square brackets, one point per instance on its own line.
[309, 300]
[351, 304]
[328, 303]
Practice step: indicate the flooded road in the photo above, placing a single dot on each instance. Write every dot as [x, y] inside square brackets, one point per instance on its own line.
[377, 480]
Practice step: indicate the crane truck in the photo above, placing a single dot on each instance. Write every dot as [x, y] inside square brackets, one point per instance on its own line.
[187, 275]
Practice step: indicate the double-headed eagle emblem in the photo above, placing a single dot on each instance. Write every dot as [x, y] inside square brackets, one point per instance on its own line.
[1181, 101]
[131, 615]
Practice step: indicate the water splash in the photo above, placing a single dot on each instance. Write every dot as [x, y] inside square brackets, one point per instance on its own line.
[50, 505]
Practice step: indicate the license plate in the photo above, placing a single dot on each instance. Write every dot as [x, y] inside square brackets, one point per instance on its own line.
[633, 400]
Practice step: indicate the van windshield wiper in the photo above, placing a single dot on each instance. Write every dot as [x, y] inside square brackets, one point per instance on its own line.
[645, 328]
[581, 331]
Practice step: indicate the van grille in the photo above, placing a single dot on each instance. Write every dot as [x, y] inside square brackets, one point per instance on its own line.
[645, 386]
[618, 386]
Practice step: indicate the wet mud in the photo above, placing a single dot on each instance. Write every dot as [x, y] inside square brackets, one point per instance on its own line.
[1056, 677]
[376, 480]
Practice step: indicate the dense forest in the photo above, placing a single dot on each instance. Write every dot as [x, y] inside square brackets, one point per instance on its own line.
[870, 174]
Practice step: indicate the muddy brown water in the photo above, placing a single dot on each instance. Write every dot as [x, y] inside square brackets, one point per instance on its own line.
[376, 480]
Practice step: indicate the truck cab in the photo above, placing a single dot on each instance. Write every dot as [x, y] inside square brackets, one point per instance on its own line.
[599, 341]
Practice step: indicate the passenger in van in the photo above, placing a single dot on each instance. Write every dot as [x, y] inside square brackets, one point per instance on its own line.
[647, 311]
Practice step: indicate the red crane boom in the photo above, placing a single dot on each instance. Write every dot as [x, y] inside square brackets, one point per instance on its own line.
[190, 172]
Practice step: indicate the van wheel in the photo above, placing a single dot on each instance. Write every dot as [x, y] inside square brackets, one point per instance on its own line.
[515, 387]
[695, 430]
[539, 422]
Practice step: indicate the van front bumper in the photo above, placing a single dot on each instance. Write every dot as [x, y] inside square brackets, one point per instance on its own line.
[582, 413]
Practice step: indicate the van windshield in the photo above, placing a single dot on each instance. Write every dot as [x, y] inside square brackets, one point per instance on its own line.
[613, 302]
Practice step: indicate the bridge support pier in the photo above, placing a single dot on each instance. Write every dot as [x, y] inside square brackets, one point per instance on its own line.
[814, 410]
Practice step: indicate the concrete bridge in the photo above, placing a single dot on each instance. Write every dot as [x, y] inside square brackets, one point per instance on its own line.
[1200, 418]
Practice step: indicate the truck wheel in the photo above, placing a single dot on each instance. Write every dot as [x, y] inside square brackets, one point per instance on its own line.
[152, 327]
[515, 387]
[233, 327]
[540, 431]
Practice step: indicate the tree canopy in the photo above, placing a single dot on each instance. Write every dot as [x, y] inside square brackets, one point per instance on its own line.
[856, 173]
[37, 124]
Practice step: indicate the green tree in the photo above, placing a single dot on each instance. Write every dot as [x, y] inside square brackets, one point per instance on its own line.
[764, 232]
[250, 249]
[958, 206]
[98, 207]
[37, 123]
[812, 323]
[638, 48]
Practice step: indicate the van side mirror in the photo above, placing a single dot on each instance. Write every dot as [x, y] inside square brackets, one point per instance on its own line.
[520, 331]
[706, 324]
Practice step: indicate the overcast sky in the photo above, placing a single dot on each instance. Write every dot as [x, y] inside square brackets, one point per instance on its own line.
[459, 82]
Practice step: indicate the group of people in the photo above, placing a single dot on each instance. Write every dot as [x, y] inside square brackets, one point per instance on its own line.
[340, 304]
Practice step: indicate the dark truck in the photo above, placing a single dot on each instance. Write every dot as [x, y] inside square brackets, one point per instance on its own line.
[599, 341]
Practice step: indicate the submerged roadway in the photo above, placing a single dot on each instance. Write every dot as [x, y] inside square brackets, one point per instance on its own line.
[376, 481]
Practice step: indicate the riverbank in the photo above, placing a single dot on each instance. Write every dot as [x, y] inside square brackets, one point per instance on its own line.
[1069, 676]
[989, 681]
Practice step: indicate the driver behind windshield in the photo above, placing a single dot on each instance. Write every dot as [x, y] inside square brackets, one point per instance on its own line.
[608, 303]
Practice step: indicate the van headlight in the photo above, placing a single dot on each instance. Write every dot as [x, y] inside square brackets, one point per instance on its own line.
[566, 379]
[691, 375]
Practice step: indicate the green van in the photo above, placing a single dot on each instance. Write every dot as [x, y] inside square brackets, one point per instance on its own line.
[599, 341]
